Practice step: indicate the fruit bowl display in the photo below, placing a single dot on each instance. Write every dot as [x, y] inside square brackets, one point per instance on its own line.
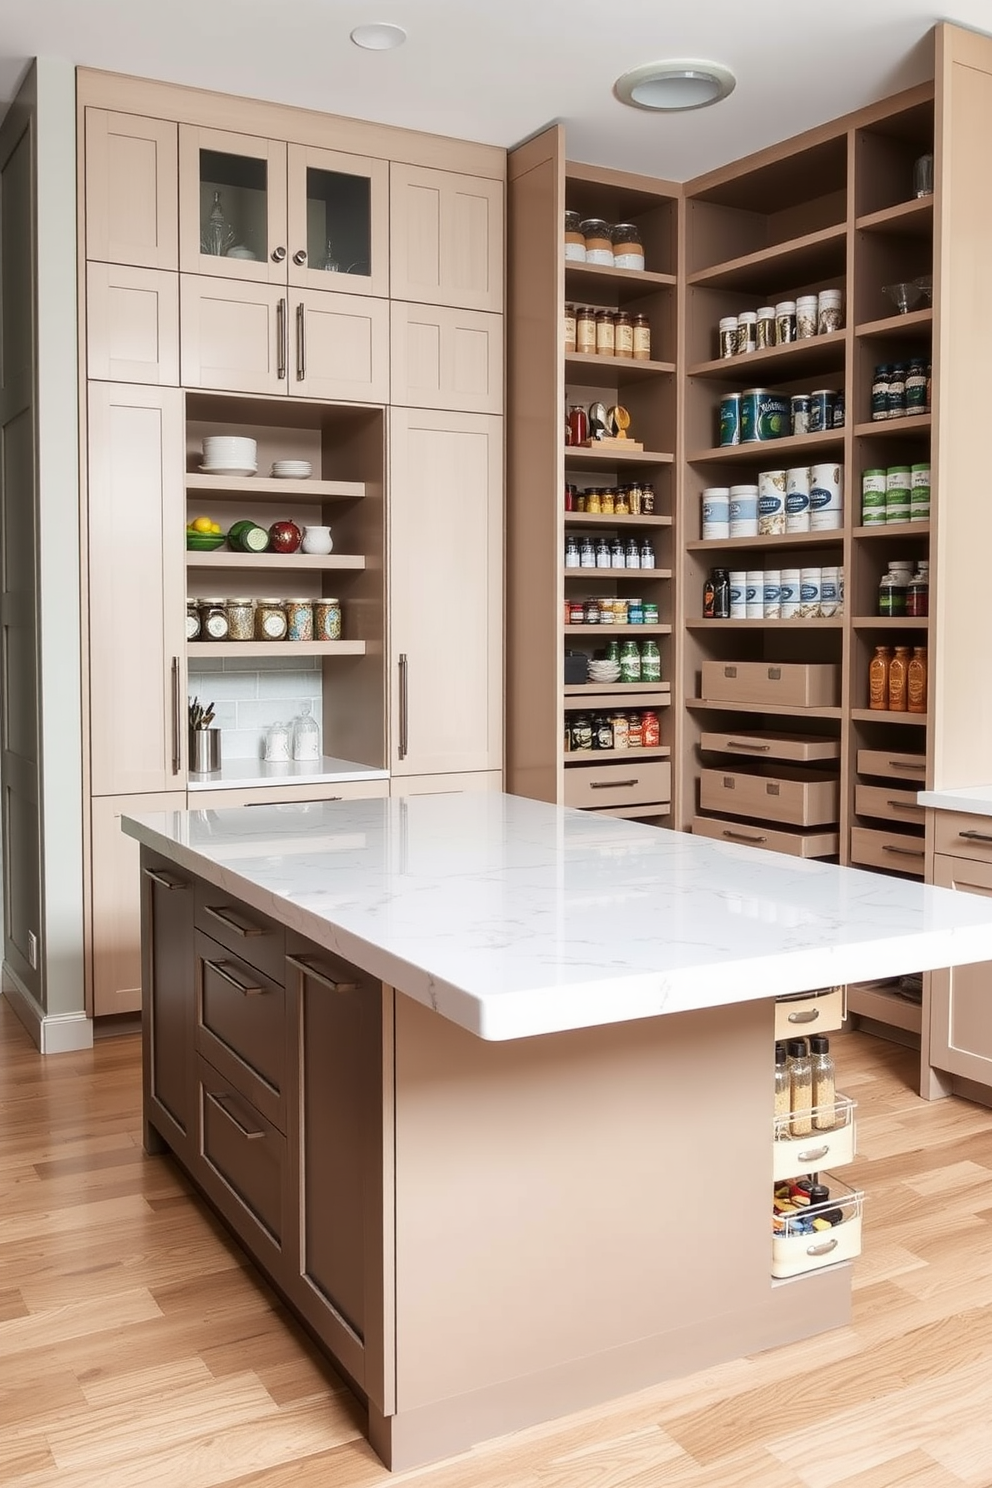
[204, 542]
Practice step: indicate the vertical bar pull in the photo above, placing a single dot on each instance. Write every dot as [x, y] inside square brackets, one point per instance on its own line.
[301, 342]
[404, 707]
[177, 748]
[281, 334]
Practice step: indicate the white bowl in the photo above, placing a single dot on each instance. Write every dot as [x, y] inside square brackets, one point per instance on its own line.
[228, 469]
[229, 444]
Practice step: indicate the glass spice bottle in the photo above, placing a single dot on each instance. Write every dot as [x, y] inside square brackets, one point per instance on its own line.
[642, 339]
[878, 679]
[824, 1084]
[570, 328]
[585, 330]
[781, 1094]
[622, 503]
[605, 333]
[916, 681]
[624, 336]
[898, 679]
[800, 1088]
[918, 593]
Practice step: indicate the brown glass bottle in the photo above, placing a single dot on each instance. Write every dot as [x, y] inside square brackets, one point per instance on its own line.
[898, 678]
[878, 678]
[916, 681]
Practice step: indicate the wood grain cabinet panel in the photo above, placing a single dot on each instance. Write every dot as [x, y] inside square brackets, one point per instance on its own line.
[235, 336]
[446, 358]
[245, 178]
[338, 208]
[132, 198]
[167, 993]
[340, 347]
[132, 324]
[445, 238]
[960, 1025]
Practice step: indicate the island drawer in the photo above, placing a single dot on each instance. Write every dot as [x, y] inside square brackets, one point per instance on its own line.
[620, 784]
[773, 745]
[793, 1156]
[243, 1167]
[963, 835]
[247, 932]
[887, 803]
[241, 1026]
[896, 852]
[794, 1254]
[778, 793]
[822, 1011]
[806, 684]
[890, 764]
[822, 844]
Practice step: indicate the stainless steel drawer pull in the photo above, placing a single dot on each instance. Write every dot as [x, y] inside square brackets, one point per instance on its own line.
[814, 1155]
[609, 784]
[315, 801]
[907, 806]
[746, 744]
[906, 765]
[976, 836]
[235, 922]
[166, 879]
[282, 337]
[247, 989]
[823, 1249]
[809, 1016]
[744, 836]
[308, 969]
[246, 1131]
[903, 852]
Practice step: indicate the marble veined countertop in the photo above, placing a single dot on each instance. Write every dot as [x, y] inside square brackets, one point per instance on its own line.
[512, 918]
[974, 798]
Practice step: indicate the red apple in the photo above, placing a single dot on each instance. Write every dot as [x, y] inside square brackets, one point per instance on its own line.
[285, 537]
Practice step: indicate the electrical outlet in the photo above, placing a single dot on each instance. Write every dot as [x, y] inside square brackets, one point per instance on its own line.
[33, 949]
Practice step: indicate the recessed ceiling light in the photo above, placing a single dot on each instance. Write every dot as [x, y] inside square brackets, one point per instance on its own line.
[675, 85]
[380, 36]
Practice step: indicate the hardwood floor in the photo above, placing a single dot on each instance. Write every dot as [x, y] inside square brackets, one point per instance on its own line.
[139, 1349]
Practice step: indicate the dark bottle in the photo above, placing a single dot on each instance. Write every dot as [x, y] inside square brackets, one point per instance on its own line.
[721, 594]
[602, 731]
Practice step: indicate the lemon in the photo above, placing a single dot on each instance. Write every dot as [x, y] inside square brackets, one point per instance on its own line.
[215, 527]
[202, 524]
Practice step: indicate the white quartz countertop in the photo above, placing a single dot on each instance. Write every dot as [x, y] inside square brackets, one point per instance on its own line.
[239, 774]
[512, 918]
[974, 798]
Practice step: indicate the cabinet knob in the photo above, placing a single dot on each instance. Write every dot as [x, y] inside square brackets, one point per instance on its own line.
[278, 254]
[300, 256]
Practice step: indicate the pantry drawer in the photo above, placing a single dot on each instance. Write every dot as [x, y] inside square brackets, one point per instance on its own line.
[797, 844]
[773, 745]
[792, 684]
[888, 804]
[243, 1166]
[792, 1255]
[963, 835]
[241, 1026]
[889, 764]
[793, 1156]
[621, 784]
[803, 798]
[897, 852]
[247, 932]
[822, 1011]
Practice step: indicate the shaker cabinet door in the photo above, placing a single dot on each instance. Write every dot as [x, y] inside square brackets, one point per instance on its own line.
[340, 347]
[235, 337]
[132, 324]
[131, 195]
[446, 592]
[445, 238]
[960, 1025]
[232, 205]
[338, 221]
[446, 358]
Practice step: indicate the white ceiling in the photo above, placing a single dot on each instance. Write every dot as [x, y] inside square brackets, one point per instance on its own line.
[497, 72]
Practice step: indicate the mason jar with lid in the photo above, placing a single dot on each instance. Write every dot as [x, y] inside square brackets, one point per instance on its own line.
[327, 620]
[192, 619]
[299, 619]
[605, 333]
[575, 243]
[569, 328]
[598, 238]
[213, 620]
[270, 620]
[628, 246]
[241, 619]
[642, 339]
[585, 330]
[623, 335]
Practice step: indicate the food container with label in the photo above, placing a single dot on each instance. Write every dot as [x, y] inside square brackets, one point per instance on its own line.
[826, 496]
[771, 502]
[575, 243]
[730, 419]
[743, 511]
[628, 248]
[270, 620]
[213, 620]
[299, 619]
[728, 336]
[327, 620]
[764, 415]
[597, 236]
[716, 512]
[192, 619]
[797, 499]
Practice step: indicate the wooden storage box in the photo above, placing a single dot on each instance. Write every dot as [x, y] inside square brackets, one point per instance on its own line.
[778, 793]
[890, 764]
[800, 684]
[822, 844]
[792, 1156]
[888, 803]
[822, 1011]
[963, 835]
[622, 784]
[773, 745]
[794, 1254]
[896, 852]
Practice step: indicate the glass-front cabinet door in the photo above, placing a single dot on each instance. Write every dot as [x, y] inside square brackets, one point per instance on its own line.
[338, 232]
[232, 205]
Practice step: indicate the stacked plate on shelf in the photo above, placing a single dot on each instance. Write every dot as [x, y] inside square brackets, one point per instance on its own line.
[604, 671]
[229, 454]
[292, 469]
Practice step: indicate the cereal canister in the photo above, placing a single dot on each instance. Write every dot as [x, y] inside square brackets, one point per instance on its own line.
[797, 499]
[743, 511]
[730, 418]
[772, 594]
[716, 512]
[771, 502]
[826, 497]
[764, 415]
[919, 493]
[738, 594]
[873, 483]
[327, 620]
[789, 594]
[821, 410]
[754, 594]
[897, 493]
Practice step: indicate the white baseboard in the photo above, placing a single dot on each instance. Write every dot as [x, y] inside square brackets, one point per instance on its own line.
[51, 1033]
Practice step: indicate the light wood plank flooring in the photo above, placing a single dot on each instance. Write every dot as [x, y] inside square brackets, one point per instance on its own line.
[139, 1349]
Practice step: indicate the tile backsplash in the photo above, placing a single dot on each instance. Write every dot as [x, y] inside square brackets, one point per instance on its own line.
[250, 693]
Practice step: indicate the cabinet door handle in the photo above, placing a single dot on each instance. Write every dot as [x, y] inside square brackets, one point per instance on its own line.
[166, 879]
[973, 836]
[824, 1248]
[903, 852]
[404, 743]
[301, 342]
[235, 922]
[246, 1131]
[609, 784]
[300, 257]
[906, 765]
[744, 836]
[746, 744]
[247, 989]
[278, 254]
[281, 337]
[304, 964]
[177, 748]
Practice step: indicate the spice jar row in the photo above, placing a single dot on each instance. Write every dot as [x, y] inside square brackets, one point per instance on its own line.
[263, 619]
[899, 494]
[593, 240]
[903, 591]
[610, 611]
[607, 333]
[901, 389]
[608, 552]
[760, 414]
[773, 594]
[781, 324]
[897, 679]
[631, 728]
[636, 499]
[805, 1087]
[807, 498]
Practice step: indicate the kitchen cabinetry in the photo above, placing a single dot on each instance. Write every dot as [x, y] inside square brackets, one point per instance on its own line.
[130, 189]
[132, 324]
[960, 1026]
[446, 678]
[168, 1006]
[446, 238]
[446, 358]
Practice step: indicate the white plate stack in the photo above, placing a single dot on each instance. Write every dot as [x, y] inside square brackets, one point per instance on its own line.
[292, 469]
[229, 454]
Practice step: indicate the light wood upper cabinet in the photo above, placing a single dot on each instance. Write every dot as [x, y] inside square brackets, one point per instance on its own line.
[137, 589]
[340, 347]
[132, 324]
[338, 209]
[445, 592]
[131, 192]
[446, 238]
[446, 358]
[235, 336]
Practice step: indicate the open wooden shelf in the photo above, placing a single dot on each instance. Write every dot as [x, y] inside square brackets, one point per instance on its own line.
[623, 285]
[782, 710]
[618, 573]
[585, 370]
[284, 563]
[597, 756]
[915, 423]
[775, 363]
[815, 255]
[770, 451]
[815, 622]
[896, 327]
[616, 630]
[588, 459]
[628, 694]
[895, 529]
[885, 1005]
[909, 219]
[882, 715]
[767, 540]
[597, 519]
[196, 649]
[890, 622]
[239, 486]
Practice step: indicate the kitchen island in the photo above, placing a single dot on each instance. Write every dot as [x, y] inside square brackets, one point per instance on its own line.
[484, 1085]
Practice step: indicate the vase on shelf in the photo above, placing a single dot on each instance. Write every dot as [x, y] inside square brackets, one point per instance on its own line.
[317, 540]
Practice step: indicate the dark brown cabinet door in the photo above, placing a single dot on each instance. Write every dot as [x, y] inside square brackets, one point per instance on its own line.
[168, 1000]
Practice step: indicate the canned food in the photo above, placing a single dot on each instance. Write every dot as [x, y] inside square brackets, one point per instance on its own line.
[771, 502]
[764, 415]
[730, 420]
[821, 410]
[799, 412]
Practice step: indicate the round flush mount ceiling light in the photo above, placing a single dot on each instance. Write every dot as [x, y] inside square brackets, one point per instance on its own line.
[379, 36]
[674, 86]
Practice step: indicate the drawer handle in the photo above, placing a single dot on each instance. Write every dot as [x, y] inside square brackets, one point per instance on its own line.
[973, 836]
[235, 922]
[246, 1131]
[744, 744]
[810, 1015]
[903, 852]
[905, 765]
[815, 1155]
[907, 806]
[166, 879]
[823, 1249]
[744, 836]
[315, 801]
[248, 989]
[302, 963]
[609, 784]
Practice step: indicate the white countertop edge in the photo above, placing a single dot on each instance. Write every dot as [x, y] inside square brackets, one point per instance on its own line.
[974, 798]
[243, 774]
